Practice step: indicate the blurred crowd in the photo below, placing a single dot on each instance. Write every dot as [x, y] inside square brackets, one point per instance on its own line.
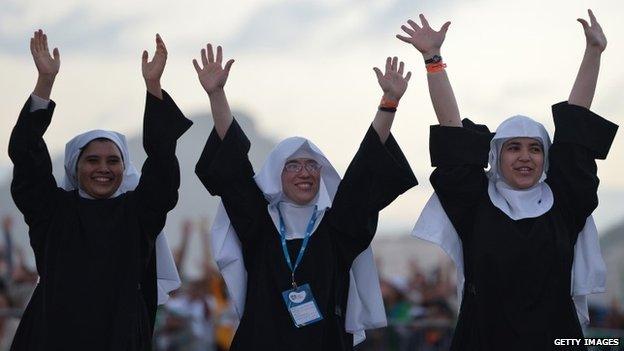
[421, 306]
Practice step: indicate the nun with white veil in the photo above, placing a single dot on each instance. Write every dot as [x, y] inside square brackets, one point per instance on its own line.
[520, 234]
[292, 241]
[102, 260]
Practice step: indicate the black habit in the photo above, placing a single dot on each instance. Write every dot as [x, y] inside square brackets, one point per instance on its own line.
[95, 258]
[376, 176]
[517, 290]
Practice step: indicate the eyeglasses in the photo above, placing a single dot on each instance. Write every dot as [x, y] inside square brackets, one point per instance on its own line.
[296, 167]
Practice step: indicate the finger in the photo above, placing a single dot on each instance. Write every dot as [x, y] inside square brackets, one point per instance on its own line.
[144, 56]
[395, 61]
[204, 58]
[160, 43]
[403, 38]
[401, 67]
[210, 53]
[407, 30]
[413, 24]
[445, 27]
[196, 65]
[378, 73]
[584, 23]
[37, 40]
[228, 65]
[592, 18]
[388, 63]
[32, 45]
[45, 43]
[56, 54]
[424, 21]
[408, 76]
[40, 40]
[219, 54]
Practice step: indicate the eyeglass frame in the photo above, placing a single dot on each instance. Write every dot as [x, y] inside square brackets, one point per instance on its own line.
[310, 165]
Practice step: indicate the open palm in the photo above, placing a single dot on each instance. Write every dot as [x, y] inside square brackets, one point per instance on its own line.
[392, 81]
[593, 32]
[153, 70]
[425, 39]
[47, 65]
[212, 75]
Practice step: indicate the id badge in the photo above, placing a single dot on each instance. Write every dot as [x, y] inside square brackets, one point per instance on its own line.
[302, 306]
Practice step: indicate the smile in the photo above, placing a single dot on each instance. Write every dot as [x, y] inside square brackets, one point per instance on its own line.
[304, 186]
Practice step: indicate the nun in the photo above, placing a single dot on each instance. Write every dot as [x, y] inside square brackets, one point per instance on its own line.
[102, 264]
[292, 240]
[521, 233]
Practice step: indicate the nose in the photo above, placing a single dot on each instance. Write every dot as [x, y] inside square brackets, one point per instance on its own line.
[304, 173]
[102, 167]
[525, 155]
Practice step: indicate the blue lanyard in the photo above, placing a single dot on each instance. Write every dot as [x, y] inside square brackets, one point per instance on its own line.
[282, 228]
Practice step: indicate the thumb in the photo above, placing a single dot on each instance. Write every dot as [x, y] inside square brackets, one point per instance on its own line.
[228, 65]
[378, 73]
[445, 27]
[56, 54]
[144, 57]
[583, 23]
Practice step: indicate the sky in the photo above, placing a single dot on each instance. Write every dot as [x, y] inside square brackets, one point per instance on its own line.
[305, 68]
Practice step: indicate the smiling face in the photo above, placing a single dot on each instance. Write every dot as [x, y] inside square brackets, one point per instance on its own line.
[301, 186]
[522, 162]
[100, 169]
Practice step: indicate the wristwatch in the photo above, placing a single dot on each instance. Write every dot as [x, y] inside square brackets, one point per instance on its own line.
[434, 59]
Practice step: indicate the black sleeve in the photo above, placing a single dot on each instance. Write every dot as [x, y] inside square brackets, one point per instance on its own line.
[460, 156]
[33, 187]
[581, 137]
[377, 175]
[225, 171]
[157, 191]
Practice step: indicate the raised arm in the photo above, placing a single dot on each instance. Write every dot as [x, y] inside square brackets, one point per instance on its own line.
[584, 86]
[393, 85]
[429, 42]
[163, 125]
[33, 185]
[213, 77]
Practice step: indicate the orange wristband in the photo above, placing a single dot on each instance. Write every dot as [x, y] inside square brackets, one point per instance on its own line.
[435, 67]
[388, 103]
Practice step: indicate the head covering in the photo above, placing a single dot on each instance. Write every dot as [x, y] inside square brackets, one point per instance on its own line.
[166, 271]
[364, 305]
[519, 203]
[588, 268]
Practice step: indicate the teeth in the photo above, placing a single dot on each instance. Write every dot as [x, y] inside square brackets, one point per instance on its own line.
[304, 186]
[101, 179]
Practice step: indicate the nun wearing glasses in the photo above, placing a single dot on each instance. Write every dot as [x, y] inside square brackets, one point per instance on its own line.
[102, 264]
[292, 241]
[521, 234]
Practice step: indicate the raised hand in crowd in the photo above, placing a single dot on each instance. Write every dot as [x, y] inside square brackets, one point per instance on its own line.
[153, 70]
[47, 65]
[424, 38]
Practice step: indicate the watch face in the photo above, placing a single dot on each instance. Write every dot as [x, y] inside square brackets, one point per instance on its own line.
[436, 59]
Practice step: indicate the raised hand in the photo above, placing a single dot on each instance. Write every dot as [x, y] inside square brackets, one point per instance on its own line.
[153, 70]
[47, 65]
[594, 36]
[392, 81]
[425, 39]
[212, 76]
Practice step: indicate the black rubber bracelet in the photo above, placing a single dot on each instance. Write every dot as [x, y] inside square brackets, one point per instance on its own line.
[387, 109]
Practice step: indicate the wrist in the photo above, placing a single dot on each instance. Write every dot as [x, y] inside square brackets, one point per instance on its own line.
[216, 92]
[431, 53]
[593, 50]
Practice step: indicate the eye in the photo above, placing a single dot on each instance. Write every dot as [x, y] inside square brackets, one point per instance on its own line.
[513, 147]
[536, 149]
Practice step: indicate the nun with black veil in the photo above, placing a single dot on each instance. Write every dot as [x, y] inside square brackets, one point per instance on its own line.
[521, 234]
[292, 241]
[102, 260]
